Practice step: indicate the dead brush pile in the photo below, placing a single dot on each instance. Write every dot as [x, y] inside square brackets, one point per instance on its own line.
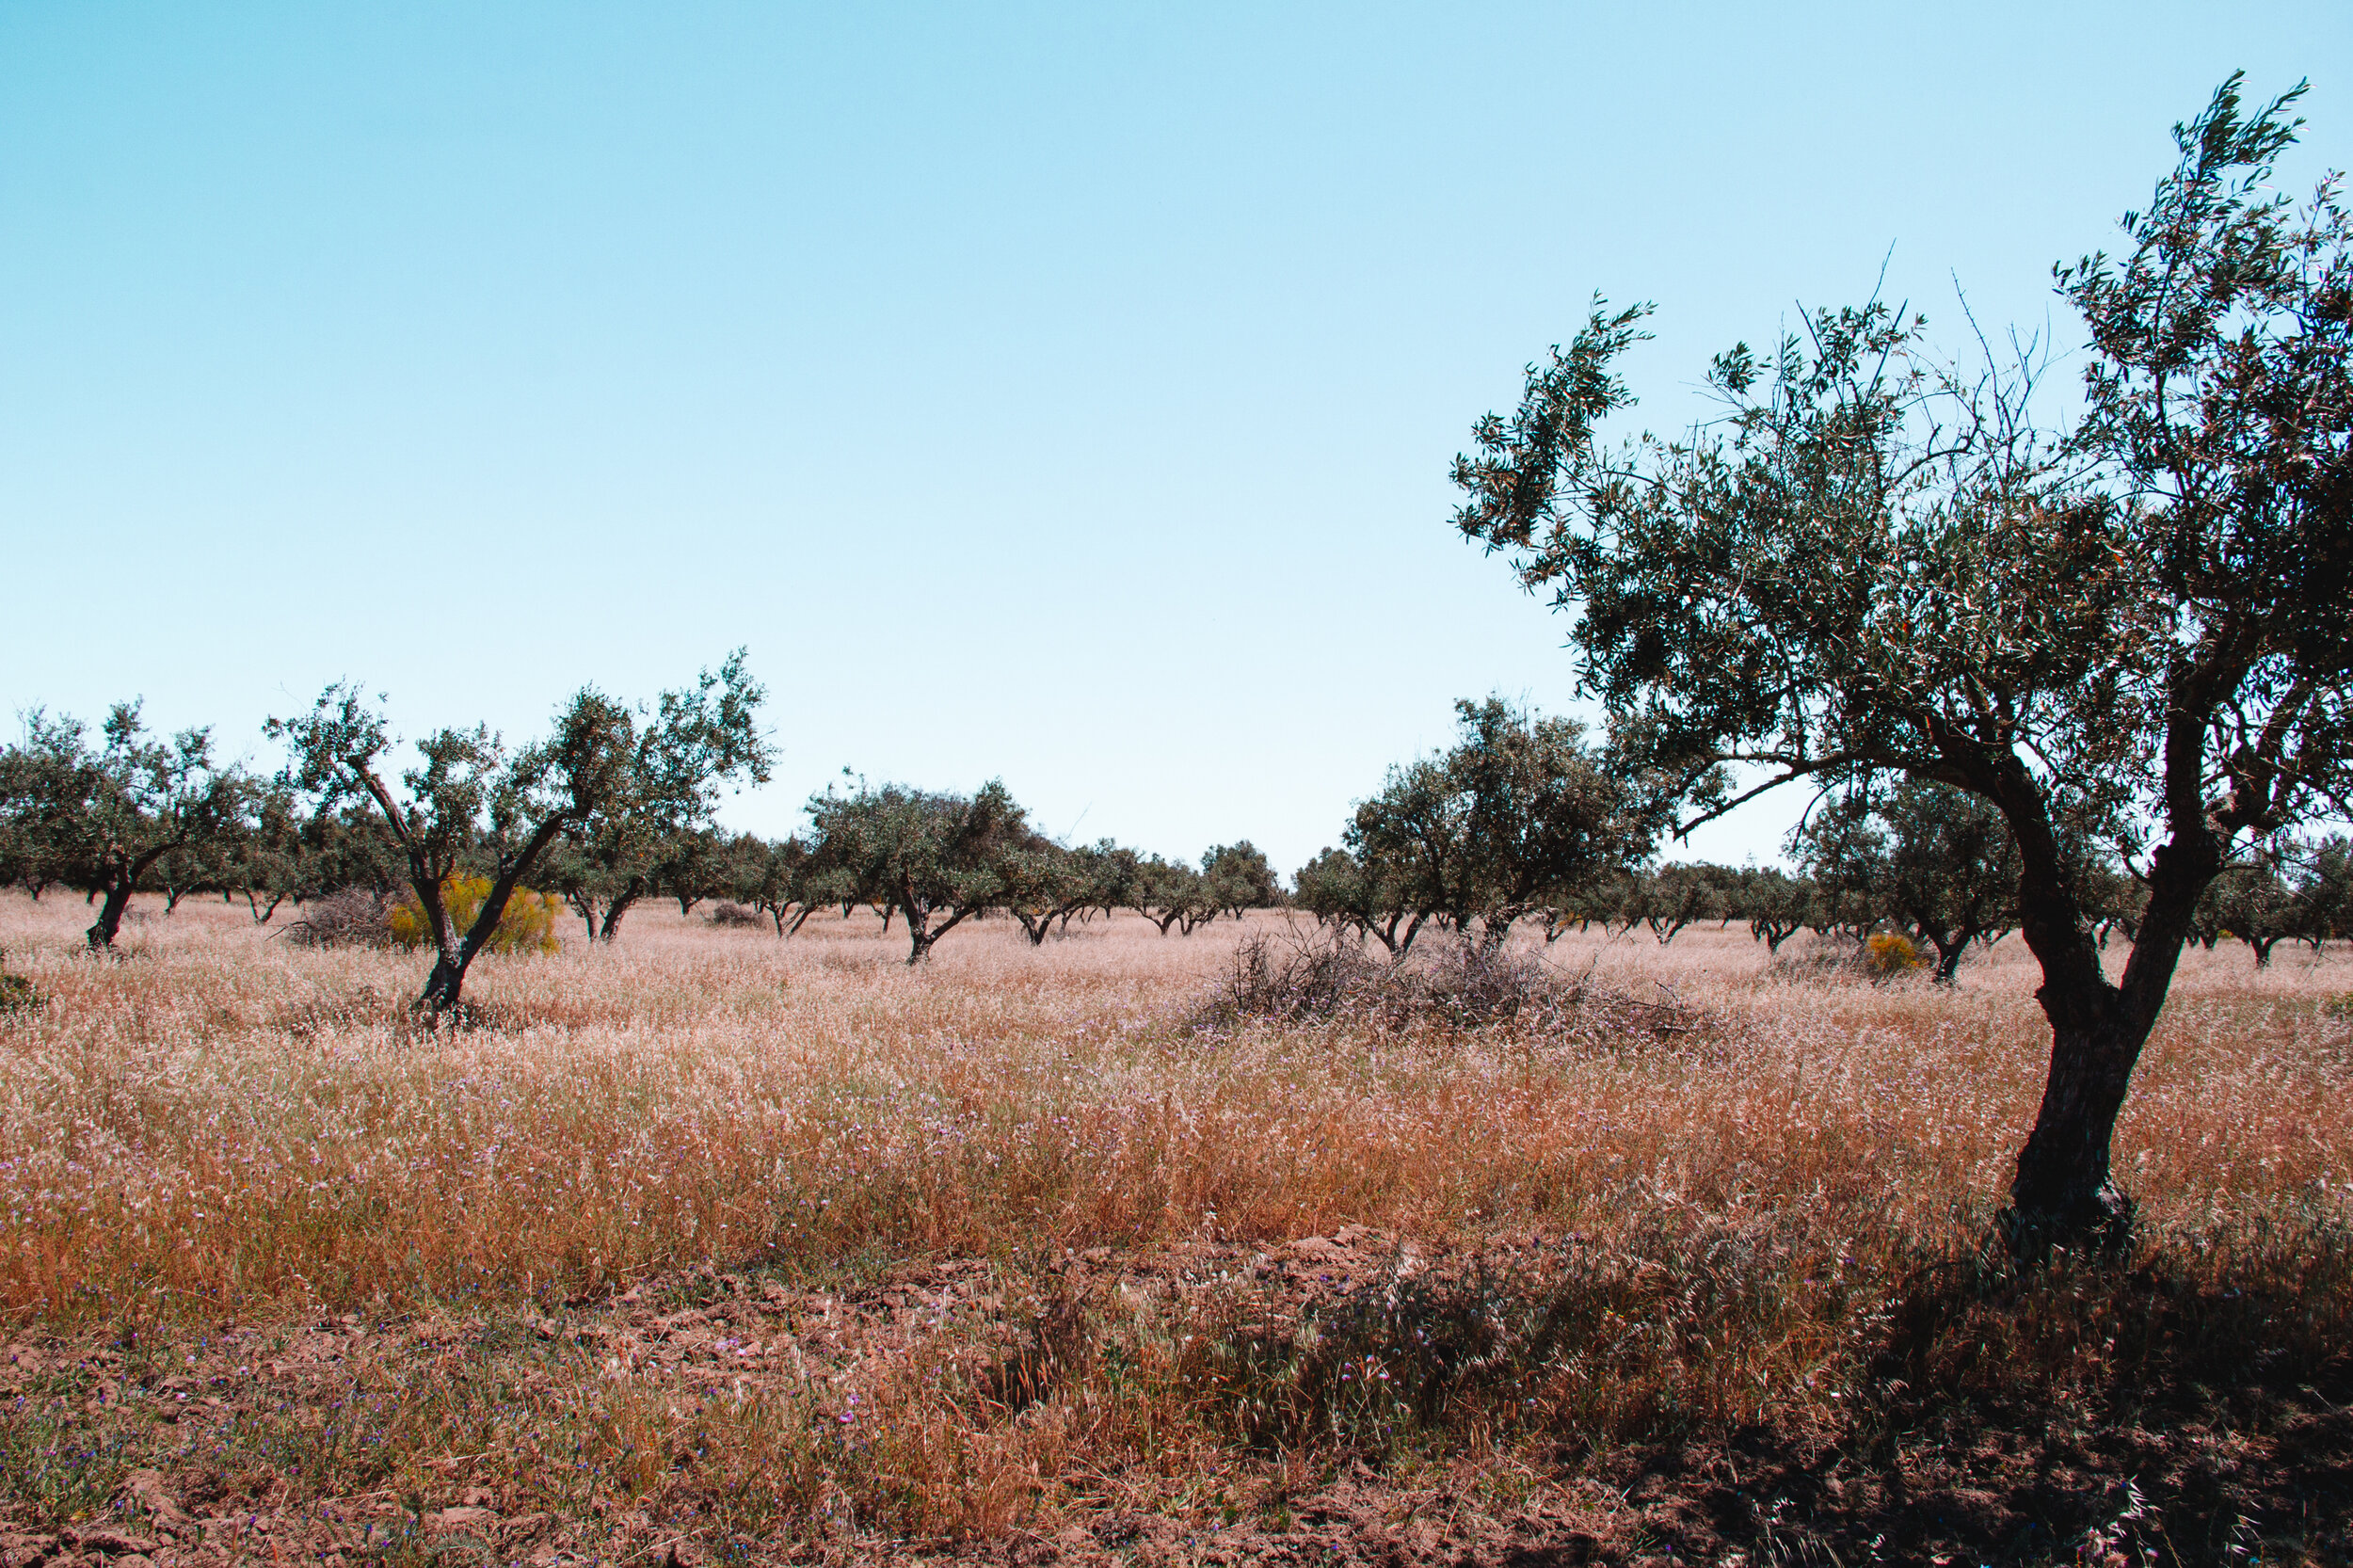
[352, 917]
[1292, 980]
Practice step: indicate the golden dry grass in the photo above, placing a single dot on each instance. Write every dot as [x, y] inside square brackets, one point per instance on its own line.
[219, 1126]
[224, 1121]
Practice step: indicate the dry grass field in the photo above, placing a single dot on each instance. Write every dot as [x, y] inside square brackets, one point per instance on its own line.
[712, 1246]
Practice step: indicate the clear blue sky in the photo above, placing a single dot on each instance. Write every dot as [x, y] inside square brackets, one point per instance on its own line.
[1058, 393]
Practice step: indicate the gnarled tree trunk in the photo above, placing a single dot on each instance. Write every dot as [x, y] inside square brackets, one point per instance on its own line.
[2063, 1193]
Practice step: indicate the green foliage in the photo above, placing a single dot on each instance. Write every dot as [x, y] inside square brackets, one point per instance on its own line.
[1874, 563]
[102, 818]
[1518, 813]
[1930, 858]
[938, 860]
[1775, 904]
[607, 775]
[1170, 893]
[1239, 877]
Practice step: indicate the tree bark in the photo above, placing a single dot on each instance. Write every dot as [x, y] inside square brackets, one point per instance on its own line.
[613, 913]
[2063, 1193]
[102, 934]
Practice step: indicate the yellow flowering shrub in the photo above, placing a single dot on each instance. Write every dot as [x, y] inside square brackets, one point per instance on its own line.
[528, 924]
[1890, 954]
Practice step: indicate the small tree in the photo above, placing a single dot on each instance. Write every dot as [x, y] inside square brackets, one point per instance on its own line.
[1346, 894]
[774, 877]
[2252, 901]
[473, 800]
[1239, 877]
[1518, 813]
[1170, 893]
[1047, 884]
[266, 861]
[1672, 897]
[1044, 882]
[1876, 565]
[99, 819]
[938, 859]
[1936, 860]
[2323, 891]
[1774, 904]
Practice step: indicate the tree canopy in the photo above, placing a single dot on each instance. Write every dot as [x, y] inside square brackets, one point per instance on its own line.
[471, 800]
[2138, 632]
[102, 817]
[1517, 814]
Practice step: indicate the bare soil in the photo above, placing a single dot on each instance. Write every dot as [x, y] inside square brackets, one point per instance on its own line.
[2187, 1444]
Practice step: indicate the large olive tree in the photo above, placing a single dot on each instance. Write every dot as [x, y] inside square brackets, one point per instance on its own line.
[472, 801]
[1876, 565]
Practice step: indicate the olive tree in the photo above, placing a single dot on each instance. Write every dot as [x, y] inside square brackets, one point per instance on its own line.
[2323, 891]
[1240, 878]
[1170, 893]
[1365, 896]
[100, 818]
[1047, 884]
[2252, 903]
[471, 800]
[773, 876]
[1669, 897]
[1937, 860]
[938, 859]
[1773, 903]
[1515, 814]
[1877, 564]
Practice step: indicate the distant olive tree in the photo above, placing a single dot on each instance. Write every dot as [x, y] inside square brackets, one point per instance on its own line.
[1774, 904]
[2323, 891]
[774, 877]
[1366, 897]
[1047, 884]
[100, 818]
[1670, 897]
[1171, 894]
[471, 800]
[1933, 859]
[1877, 564]
[2252, 903]
[1515, 814]
[938, 860]
[1239, 877]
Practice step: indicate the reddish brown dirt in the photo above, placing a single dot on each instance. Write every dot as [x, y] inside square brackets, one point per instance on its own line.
[1960, 1454]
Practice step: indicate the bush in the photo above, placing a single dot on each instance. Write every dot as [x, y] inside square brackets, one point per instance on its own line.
[18, 994]
[730, 914]
[527, 925]
[350, 918]
[1463, 986]
[1888, 955]
[1884, 956]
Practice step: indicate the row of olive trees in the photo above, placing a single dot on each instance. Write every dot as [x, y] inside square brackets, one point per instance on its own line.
[614, 808]
[1520, 819]
[936, 861]
[123, 812]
